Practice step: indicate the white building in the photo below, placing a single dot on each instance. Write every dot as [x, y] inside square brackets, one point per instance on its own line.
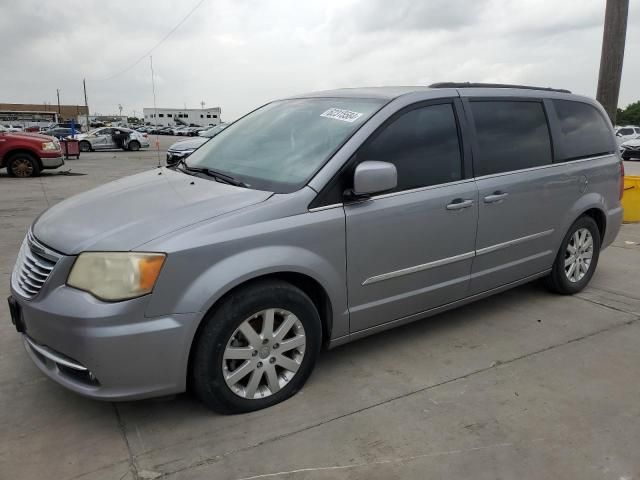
[181, 116]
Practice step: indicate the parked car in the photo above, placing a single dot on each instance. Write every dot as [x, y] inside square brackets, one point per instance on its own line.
[27, 154]
[59, 132]
[630, 149]
[102, 139]
[184, 148]
[625, 133]
[178, 130]
[12, 128]
[231, 271]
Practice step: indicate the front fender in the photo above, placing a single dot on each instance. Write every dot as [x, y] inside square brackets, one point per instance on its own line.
[193, 280]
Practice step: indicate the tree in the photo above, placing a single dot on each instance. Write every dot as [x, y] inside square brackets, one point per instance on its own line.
[629, 115]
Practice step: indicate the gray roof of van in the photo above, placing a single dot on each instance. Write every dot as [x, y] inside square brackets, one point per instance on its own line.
[391, 92]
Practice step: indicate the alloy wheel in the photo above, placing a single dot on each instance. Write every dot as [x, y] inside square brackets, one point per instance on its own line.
[578, 255]
[22, 167]
[264, 353]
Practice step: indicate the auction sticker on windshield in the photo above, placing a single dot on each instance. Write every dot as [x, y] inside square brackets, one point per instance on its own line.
[340, 114]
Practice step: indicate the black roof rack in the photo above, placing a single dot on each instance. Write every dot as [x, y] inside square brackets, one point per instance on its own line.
[493, 85]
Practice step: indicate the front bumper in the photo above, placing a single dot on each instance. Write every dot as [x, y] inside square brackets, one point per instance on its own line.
[630, 151]
[107, 351]
[52, 162]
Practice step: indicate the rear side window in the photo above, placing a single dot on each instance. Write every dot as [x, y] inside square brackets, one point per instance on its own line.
[584, 130]
[511, 136]
[422, 144]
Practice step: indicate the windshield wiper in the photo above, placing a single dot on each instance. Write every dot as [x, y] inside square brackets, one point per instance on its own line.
[219, 176]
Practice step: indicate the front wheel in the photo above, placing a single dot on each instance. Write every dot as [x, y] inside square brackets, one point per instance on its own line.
[84, 146]
[577, 258]
[257, 348]
[23, 165]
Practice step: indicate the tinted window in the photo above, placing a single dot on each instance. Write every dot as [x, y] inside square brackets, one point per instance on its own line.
[511, 136]
[584, 130]
[422, 144]
[626, 131]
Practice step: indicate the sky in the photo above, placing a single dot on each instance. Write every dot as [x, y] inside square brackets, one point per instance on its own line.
[240, 54]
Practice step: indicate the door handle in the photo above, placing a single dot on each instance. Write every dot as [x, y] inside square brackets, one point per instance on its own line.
[459, 204]
[495, 197]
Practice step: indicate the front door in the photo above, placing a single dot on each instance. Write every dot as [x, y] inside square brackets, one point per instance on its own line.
[102, 139]
[411, 249]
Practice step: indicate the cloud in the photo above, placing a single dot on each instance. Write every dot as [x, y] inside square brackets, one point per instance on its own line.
[241, 53]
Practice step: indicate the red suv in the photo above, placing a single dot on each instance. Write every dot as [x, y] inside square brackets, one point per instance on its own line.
[27, 154]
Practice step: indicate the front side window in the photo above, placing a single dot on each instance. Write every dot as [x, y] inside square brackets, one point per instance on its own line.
[584, 130]
[280, 146]
[422, 144]
[625, 131]
[511, 136]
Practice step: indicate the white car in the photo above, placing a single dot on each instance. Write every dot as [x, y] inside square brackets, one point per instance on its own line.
[12, 128]
[102, 139]
[627, 132]
[630, 149]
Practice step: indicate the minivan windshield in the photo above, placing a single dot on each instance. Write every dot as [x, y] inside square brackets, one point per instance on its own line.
[281, 145]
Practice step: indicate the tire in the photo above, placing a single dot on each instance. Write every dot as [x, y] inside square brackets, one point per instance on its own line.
[84, 146]
[133, 146]
[564, 280]
[23, 165]
[212, 371]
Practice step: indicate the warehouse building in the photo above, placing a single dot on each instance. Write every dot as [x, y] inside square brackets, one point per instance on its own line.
[41, 115]
[181, 116]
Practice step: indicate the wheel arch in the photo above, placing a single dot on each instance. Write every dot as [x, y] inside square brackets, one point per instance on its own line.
[309, 285]
[592, 204]
[9, 155]
[599, 217]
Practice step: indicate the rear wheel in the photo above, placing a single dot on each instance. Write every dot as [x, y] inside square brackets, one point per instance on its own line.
[257, 348]
[23, 165]
[577, 259]
[134, 145]
[84, 146]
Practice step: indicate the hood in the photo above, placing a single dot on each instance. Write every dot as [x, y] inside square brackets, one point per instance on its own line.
[190, 144]
[29, 136]
[632, 143]
[124, 214]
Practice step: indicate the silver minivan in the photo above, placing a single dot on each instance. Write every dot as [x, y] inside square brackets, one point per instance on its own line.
[308, 223]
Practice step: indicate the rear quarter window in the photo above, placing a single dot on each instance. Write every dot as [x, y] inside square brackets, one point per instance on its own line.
[583, 131]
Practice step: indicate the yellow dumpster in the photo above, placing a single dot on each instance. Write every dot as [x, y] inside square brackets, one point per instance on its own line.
[631, 199]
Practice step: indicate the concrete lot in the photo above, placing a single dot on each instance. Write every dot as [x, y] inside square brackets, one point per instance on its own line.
[522, 385]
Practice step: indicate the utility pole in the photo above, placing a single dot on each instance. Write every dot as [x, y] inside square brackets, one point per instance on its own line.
[613, 38]
[58, 94]
[86, 104]
[155, 109]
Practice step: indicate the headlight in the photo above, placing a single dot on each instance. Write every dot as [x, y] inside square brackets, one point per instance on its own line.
[50, 146]
[116, 276]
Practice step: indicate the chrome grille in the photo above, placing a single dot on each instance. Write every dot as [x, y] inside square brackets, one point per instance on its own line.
[33, 266]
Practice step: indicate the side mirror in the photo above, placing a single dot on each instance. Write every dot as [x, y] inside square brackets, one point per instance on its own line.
[374, 177]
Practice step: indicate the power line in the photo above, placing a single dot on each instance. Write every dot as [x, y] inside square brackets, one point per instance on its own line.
[146, 54]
